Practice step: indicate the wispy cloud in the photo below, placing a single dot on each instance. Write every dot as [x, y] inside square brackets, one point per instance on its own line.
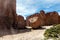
[28, 7]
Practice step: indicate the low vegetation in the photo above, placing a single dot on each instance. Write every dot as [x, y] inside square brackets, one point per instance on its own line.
[53, 32]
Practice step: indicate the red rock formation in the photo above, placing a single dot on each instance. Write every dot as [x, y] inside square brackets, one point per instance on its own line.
[52, 18]
[21, 22]
[43, 17]
[36, 20]
[7, 13]
[59, 19]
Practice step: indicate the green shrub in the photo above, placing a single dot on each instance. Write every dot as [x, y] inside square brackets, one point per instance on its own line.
[53, 32]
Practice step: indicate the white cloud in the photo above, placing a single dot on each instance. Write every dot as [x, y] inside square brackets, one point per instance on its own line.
[27, 7]
[51, 1]
[59, 13]
[24, 11]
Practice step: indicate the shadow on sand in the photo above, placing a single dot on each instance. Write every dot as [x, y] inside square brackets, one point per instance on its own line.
[12, 31]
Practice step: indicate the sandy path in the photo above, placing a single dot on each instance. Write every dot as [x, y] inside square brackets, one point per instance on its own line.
[31, 35]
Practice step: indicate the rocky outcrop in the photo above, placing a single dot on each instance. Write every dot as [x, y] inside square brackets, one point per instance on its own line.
[59, 19]
[21, 22]
[40, 19]
[36, 20]
[52, 18]
[9, 18]
[43, 17]
[31, 20]
[7, 13]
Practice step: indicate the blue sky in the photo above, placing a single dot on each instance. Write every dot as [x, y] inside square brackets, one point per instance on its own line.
[29, 7]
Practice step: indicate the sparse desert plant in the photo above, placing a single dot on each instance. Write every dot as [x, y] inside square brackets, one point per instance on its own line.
[53, 32]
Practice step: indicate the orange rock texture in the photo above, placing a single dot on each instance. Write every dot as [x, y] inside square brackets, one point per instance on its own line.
[36, 20]
[52, 18]
[7, 13]
[42, 18]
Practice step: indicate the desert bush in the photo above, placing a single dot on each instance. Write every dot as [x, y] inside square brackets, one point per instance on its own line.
[53, 32]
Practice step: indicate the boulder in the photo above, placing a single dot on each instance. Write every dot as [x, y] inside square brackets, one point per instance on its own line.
[21, 22]
[59, 19]
[36, 20]
[52, 18]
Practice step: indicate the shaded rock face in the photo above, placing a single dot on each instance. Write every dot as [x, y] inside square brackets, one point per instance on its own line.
[36, 20]
[21, 22]
[52, 18]
[59, 19]
[7, 13]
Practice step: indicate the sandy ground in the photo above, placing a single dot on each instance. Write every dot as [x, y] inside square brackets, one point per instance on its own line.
[25, 34]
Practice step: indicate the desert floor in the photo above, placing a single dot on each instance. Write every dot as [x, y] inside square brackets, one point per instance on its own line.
[25, 34]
